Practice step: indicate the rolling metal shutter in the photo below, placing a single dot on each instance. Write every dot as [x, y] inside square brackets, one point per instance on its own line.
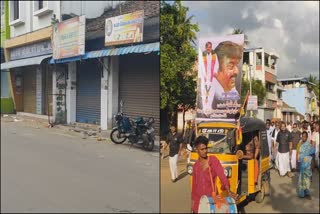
[88, 92]
[139, 86]
[29, 90]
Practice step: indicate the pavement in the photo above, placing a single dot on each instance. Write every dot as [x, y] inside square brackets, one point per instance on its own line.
[80, 129]
[176, 197]
[56, 170]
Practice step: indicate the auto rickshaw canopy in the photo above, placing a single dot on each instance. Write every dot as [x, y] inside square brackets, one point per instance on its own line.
[249, 124]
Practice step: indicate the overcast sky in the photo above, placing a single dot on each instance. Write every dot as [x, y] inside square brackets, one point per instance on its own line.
[290, 29]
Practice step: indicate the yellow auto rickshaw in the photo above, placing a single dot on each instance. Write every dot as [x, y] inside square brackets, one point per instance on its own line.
[227, 142]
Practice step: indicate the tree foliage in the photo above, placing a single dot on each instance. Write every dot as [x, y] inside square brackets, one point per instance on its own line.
[257, 89]
[177, 81]
[240, 31]
[314, 86]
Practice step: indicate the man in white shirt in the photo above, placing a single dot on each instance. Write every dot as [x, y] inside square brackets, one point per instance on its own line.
[269, 138]
[274, 143]
[209, 59]
[315, 143]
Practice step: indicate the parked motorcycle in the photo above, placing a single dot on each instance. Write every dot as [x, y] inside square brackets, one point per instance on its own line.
[137, 131]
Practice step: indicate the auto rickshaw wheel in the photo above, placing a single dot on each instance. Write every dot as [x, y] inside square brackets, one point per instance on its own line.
[260, 195]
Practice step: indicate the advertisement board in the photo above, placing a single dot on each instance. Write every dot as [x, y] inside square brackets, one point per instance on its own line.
[219, 77]
[124, 29]
[69, 38]
[252, 103]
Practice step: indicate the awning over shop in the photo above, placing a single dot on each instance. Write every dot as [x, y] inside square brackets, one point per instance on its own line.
[142, 48]
[24, 62]
[70, 59]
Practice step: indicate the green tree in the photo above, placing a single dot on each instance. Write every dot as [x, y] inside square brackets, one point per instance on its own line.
[314, 86]
[240, 31]
[257, 89]
[177, 58]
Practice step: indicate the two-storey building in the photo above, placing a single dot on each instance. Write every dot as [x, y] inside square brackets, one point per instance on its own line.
[87, 87]
[262, 65]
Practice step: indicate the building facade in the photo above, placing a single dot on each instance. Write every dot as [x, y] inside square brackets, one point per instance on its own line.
[261, 65]
[299, 94]
[84, 88]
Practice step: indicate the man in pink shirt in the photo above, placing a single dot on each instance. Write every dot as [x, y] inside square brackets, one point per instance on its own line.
[201, 182]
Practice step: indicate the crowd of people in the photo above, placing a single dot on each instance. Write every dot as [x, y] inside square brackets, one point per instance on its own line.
[295, 148]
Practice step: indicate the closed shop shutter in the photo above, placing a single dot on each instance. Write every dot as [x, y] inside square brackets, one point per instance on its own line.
[29, 90]
[88, 92]
[139, 86]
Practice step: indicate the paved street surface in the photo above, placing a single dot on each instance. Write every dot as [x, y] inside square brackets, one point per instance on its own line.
[50, 170]
[176, 197]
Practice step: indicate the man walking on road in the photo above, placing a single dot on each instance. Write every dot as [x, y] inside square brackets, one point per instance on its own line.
[189, 137]
[269, 138]
[205, 169]
[315, 143]
[275, 144]
[284, 139]
[296, 137]
[174, 140]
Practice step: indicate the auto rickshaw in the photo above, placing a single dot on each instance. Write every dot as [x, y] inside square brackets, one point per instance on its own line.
[226, 142]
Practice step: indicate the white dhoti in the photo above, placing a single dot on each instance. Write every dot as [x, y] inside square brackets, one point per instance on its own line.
[173, 161]
[283, 161]
[294, 159]
[275, 152]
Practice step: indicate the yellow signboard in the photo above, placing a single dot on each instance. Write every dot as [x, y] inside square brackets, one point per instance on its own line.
[124, 29]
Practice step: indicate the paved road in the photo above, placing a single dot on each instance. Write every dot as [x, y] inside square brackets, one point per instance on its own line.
[175, 197]
[48, 170]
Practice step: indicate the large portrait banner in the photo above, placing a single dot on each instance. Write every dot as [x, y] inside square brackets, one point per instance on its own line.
[219, 77]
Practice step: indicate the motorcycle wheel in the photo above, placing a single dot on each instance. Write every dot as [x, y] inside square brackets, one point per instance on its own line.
[116, 137]
[149, 145]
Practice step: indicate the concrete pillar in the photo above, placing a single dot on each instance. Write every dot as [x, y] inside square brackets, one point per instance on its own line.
[109, 91]
[71, 93]
[54, 101]
[104, 92]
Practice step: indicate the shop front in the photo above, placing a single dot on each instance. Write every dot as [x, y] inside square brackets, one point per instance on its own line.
[31, 77]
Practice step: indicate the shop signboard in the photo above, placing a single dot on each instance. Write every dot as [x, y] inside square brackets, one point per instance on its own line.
[252, 103]
[124, 29]
[69, 38]
[32, 50]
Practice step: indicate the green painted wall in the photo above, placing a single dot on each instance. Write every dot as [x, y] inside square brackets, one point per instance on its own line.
[7, 104]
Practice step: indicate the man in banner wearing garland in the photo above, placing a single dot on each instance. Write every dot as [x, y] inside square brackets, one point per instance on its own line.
[226, 96]
[222, 92]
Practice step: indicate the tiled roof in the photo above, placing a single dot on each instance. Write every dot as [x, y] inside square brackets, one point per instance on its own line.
[151, 9]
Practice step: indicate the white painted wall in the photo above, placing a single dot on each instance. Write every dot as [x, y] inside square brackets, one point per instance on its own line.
[104, 93]
[71, 93]
[113, 92]
[43, 21]
[91, 9]
[109, 91]
[24, 15]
